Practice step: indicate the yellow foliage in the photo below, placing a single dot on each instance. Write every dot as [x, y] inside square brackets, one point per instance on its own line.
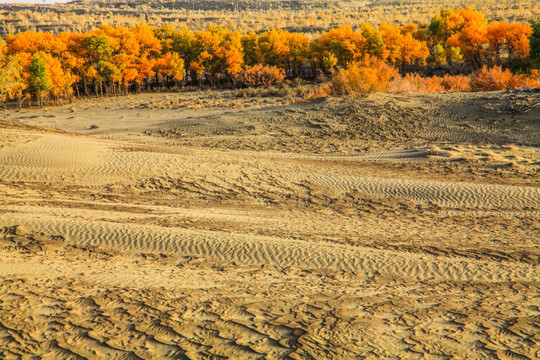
[367, 76]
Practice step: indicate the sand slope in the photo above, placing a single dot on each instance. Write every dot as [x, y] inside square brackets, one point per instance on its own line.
[314, 231]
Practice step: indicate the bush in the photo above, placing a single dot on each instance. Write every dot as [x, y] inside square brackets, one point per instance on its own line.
[495, 78]
[491, 79]
[363, 77]
[259, 75]
[416, 83]
[320, 92]
[456, 83]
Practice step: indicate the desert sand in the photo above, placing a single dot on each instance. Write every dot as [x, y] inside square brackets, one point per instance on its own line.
[393, 226]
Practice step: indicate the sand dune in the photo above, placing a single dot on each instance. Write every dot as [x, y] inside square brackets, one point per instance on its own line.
[89, 162]
[265, 250]
[387, 227]
[451, 195]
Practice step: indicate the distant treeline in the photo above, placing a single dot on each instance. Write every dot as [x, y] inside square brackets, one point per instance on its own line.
[115, 60]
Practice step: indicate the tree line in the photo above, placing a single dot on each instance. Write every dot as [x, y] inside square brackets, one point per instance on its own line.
[116, 60]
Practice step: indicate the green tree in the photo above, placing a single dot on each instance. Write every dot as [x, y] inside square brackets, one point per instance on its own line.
[438, 55]
[99, 66]
[534, 40]
[455, 56]
[39, 83]
[250, 43]
[180, 42]
[374, 41]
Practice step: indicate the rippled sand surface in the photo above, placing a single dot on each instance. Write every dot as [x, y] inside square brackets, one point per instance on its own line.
[397, 226]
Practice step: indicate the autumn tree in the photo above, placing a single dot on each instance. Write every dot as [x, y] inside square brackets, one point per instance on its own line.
[59, 84]
[273, 48]
[401, 47]
[392, 37]
[120, 56]
[510, 40]
[413, 51]
[341, 44]
[298, 45]
[218, 52]
[53, 50]
[442, 26]
[374, 46]
[283, 49]
[252, 53]
[130, 55]
[462, 33]
[149, 49]
[97, 49]
[470, 35]
[12, 83]
[171, 65]
[179, 42]
[73, 60]
[516, 38]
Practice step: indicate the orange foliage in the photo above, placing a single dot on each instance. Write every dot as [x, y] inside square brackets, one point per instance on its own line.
[259, 75]
[456, 83]
[342, 43]
[283, 49]
[367, 76]
[495, 78]
[512, 39]
[171, 64]
[216, 51]
[32, 42]
[111, 59]
[470, 29]
[401, 47]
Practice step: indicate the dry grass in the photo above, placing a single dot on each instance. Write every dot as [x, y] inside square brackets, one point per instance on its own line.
[313, 17]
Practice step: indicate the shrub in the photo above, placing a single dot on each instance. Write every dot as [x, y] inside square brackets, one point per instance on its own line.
[534, 78]
[456, 83]
[259, 75]
[495, 78]
[320, 92]
[363, 77]
[491, 79]
[416, 83]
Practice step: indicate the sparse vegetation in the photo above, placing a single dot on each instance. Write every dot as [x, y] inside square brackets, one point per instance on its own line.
[310, 17]
[485, 79]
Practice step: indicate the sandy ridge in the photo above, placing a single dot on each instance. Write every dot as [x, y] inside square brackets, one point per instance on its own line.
[97, 163]
[259, 250]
